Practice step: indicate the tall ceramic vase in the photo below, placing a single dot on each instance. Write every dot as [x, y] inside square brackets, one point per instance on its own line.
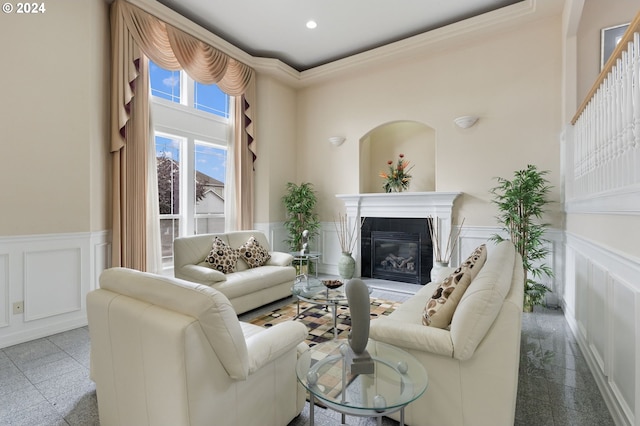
[346, 266]
[440, 271]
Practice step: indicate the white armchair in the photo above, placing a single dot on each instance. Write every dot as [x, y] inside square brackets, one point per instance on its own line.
[170, 352]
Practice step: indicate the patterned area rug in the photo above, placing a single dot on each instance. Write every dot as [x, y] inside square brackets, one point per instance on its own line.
[319, 320]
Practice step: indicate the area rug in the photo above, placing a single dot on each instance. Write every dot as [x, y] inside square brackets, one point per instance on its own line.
[319, 319]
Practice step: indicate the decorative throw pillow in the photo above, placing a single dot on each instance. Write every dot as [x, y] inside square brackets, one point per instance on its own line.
[440, 307]
[253, 253]
[222, 257]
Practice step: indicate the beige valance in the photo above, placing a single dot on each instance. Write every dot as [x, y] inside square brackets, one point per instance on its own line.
[140, 32]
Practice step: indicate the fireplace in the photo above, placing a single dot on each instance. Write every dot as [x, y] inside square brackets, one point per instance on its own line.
[396, 249]
[388, 212]
[395, 256]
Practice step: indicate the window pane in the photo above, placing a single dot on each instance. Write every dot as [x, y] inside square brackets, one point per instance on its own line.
[210, 162]
[168, 159]
[209, 98]
[209, 225]
[169, 229]
[164, 83]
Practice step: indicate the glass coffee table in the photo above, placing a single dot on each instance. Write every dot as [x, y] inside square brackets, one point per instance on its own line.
[312, 290]
[398, 379]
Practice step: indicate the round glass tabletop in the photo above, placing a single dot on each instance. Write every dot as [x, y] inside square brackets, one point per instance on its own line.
[313, 290]
[397, 379]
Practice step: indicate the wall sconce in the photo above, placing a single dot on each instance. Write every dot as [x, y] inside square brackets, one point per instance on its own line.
[465, 121]
[337, 140]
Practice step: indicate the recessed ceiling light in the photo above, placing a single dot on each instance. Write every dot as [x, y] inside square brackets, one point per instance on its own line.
[311, 24]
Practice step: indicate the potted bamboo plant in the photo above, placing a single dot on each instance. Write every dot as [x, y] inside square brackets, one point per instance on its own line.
[300, 202]
[521, 203]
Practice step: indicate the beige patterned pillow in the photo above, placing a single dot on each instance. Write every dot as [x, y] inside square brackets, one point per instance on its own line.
[440, 307]
[253, 253]
[222, 257]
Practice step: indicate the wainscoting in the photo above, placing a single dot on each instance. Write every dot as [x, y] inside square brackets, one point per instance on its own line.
[602, 306]
[51, 275]
[471, 237]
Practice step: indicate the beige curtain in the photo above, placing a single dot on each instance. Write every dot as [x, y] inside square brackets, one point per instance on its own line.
[135, 34]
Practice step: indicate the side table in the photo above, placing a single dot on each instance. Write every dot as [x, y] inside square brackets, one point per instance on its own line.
[398, 379]
[306, 259]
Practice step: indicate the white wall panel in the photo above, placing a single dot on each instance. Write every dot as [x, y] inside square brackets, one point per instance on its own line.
[330, 247]
[52, 282]
[582, 285]
[605, 295]
[102, 256]
[570, 283]
[624, 338]
[5, 305]
[597, 313]
[52, 275]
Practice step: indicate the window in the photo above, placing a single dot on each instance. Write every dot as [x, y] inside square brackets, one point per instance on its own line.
[165, 84]
[209, 98]
[192, 132]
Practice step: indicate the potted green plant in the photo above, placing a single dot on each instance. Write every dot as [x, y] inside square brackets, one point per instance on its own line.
[521, 203]
[300, 202]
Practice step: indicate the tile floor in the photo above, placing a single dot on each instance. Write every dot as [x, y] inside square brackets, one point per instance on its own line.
[46, 381]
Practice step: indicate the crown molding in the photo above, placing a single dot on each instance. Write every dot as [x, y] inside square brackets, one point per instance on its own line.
[429, 42]
[432, 41]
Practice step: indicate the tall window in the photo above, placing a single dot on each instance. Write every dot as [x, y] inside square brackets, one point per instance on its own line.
[192, 133]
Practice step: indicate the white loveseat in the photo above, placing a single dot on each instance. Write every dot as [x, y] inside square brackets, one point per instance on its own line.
[246, 288]
[472, 365]
[170, 352]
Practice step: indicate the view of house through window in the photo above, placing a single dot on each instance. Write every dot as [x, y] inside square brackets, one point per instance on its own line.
[192, 131]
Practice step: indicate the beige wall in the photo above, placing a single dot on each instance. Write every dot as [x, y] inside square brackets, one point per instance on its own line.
[277, 148]
[511, 80]
[596, 15]
[52, 119]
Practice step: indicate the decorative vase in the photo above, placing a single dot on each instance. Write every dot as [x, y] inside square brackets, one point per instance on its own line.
[439, 271]
[346, 266]
[395, 187]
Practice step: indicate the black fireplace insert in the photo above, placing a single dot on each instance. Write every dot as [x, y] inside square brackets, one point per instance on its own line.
[396, 249]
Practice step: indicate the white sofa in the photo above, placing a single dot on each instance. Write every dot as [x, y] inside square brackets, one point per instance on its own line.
[473, 365]
[171, 352]
[246, 288]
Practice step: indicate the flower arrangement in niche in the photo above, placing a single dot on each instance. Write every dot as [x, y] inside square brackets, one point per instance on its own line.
[398, 177]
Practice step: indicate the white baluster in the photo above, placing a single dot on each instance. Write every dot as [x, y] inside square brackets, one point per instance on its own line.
[636, 105]
[616, 127]
[603, 148]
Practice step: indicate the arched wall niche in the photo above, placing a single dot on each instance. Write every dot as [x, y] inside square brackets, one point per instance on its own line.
[415, 140]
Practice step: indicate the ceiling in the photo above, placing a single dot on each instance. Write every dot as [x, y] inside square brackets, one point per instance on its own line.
[277, 28]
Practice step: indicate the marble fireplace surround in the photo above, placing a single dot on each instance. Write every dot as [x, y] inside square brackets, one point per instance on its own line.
[438, 205]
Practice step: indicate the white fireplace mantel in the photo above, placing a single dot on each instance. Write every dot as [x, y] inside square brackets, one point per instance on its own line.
[399, 204]
[437, 205]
